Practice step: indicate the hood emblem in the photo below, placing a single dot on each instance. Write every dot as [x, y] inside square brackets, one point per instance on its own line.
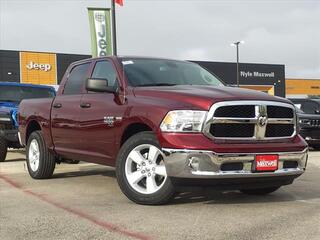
[262, 121]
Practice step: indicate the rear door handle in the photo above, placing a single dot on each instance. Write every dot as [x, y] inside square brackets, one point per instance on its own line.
[57, 105]
[85, 105]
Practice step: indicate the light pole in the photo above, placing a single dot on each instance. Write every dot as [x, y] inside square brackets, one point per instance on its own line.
[238, 73]
[114, 27]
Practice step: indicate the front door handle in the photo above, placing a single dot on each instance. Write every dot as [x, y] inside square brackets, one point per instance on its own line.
[57, 105]
[85, 105]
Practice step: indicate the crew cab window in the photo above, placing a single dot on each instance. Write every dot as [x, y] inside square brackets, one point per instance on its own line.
[310, 107]
[105, 70]
[76, 79]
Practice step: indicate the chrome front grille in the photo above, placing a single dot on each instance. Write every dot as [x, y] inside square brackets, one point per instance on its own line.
[307, 123]
[232, 130]
[315, 123]
[279, 112]
[251, 120]
[239, 111]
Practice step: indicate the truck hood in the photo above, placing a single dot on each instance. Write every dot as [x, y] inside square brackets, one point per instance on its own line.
[203, 96]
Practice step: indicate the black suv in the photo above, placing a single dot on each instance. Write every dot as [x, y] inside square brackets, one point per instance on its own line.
[309, 118]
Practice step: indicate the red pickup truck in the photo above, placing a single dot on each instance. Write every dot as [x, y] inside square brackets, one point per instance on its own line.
[164, 125]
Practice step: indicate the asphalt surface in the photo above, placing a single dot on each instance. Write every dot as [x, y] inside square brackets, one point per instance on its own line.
[84, 202]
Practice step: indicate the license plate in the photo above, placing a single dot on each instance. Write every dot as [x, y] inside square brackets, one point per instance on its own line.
[267, 162]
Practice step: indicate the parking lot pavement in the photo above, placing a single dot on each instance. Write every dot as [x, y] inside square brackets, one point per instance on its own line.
[84, 202]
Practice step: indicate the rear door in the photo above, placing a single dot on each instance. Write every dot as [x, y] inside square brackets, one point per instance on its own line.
[65, 113]
[101, 116]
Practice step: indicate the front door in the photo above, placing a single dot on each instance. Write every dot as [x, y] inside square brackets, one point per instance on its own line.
[101, 116]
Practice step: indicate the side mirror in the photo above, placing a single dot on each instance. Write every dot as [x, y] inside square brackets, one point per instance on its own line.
[317, 111]
[99, 85]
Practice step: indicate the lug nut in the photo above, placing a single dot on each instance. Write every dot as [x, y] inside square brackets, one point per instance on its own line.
[149, 174]
[143, 164]
[143, 171]
[153, 169]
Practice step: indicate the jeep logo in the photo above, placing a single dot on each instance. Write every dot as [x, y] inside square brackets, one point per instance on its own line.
[39, 66]
[101, 33]
[99, 17]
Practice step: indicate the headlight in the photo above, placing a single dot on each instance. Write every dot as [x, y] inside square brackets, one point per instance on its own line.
[183, 121]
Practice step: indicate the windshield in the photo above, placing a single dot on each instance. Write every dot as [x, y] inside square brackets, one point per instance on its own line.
[158, 72]
[18, 93]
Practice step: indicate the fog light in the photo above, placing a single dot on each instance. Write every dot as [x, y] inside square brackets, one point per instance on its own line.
[194, 163]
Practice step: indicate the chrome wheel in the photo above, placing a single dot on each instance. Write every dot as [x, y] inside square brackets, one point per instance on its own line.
[145, 170]
[34, 155]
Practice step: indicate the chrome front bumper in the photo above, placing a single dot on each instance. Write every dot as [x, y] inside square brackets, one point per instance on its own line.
[182, 163]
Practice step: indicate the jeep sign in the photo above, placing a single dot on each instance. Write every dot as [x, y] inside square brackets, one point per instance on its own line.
[100, 32]
[39, 66]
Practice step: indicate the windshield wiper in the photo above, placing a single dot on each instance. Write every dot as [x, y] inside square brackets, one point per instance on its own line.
[156, 85]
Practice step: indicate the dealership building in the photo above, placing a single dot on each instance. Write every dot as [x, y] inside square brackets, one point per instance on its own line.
[48, 68]
[269, 78]
[35, 67]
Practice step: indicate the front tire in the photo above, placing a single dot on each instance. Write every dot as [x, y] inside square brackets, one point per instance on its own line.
[40, 161]
[3, 149]
[260, 191]
[141, 173]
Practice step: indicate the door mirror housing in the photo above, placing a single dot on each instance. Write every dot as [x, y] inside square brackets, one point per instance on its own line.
[317, 111]
[99, 85]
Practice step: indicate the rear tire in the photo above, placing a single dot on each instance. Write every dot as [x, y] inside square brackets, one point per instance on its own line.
[260, 191]
[141, 172]
[3, 149]
[40, 161]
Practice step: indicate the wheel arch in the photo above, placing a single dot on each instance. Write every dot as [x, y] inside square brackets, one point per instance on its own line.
[134, 128]
[32, 126]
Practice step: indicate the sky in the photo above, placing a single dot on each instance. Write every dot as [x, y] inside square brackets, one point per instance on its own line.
[275, 31]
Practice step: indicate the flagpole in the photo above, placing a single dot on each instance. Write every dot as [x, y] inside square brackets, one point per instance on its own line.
[114, 27]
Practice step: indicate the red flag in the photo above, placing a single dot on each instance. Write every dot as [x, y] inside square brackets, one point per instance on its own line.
[120, 2]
